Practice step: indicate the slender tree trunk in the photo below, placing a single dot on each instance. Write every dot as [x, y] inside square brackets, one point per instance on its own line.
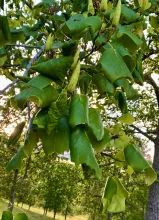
[13, 191]
[109, 216]
[122, 216]
[152, 211]
[22, 205]
[54, 215]
[66, 211]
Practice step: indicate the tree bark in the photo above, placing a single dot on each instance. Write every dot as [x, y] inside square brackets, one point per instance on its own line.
[109, 216]
[13, 191]
[152, 210]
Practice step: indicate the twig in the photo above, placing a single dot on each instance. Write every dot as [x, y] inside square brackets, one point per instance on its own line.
[109, 155]
[33, 59]
[143, 133]
[9, 86]
[23, 45]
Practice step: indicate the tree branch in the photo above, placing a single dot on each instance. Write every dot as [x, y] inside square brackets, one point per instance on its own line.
[23, 45]
[153, 52]
[111, 156]
[143, 133]
[9, 86]
[33, 59]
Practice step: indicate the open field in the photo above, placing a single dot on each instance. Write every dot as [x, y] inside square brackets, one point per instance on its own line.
[36, 213]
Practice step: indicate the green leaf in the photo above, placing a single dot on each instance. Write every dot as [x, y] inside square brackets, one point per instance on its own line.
[116, 14]
[78, 110]
[120, 159]
[39, 82]
[127, 38]
[30, 142]
[74, 78]
[16, 161]
[150, 176]
[95, 123]
[114, 196]
[103, 5]
[130, 170]
[49, 42]
[154, 22]
[3, 59]
[84, 83]
[121, 101]
[7, 215]
[103, 85]
[113, 65]
[41, 119]
[128, 15]
[137, 77]
[56, 111]
[59, 139]
[138, 163]
[42, 98]
[144, 4]
[5, 27]
[82, 152]
[21, 216]
[99, 145]
[14, 137]
[55, 69]
[127, 119]
[124, 53]
[131, 93]
[17, 35]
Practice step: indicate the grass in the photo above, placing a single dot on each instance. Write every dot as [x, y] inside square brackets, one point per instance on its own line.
[36, 213]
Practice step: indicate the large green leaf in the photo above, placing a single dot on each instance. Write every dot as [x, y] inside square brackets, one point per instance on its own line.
[39, 82]
[55, 69]
[59, 139]
[7, 215]
[21, 216]
[82, 152]
[16, 161]
[42, 98]
[127, 38]
[14, 137]
[56, 111]
[5, 27]
[136, 160]
[103, 85]
[99, 145]
[113, 65]
[154, 22]
[95, 123]
[114, 196]
[78, 110]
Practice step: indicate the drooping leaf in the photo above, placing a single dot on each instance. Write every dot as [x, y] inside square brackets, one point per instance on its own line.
[41, 119]
[7, 215]
[121, 101]
[39, 82]
[154, 22]
[114, 196]
[103, 85]
[56, 111]
[78, 112]
[55, 69]
[144, 4]
[16, 161]
[95, 123]
[128, 15]
[82, 152]
[59, 139]
[120, 159]
[103, 5]
[137, 77]
[113, 65]
[5, 27]
[30, 142]
[49, 42]
[84, 82]
[99, 145]
[14, 137]
[42, 98]
[128, 39]
[21, 216]
[127, 119]
[135, 159]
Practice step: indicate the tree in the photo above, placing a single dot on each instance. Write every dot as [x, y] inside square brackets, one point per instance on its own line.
[69, 53]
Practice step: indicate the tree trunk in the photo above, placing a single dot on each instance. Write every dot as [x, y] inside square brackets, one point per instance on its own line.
[22, 205]
[122, 216]
[54, 215]
[152, 210]
[66, 211]
[13, 191]
[109, 216]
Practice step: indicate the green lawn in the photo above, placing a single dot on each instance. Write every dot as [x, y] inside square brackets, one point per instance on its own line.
[36, 213]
